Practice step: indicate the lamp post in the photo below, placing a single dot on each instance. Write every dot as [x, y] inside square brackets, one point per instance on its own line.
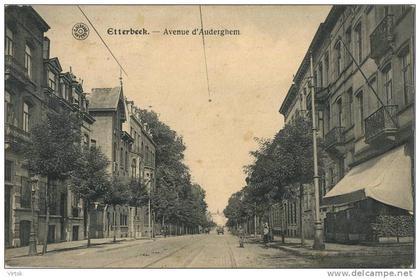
[148, 182]
[318, 237]
[32, 235]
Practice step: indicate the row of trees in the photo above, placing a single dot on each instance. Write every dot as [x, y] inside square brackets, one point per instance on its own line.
[176, 199]
[54, 152]
[282, 165]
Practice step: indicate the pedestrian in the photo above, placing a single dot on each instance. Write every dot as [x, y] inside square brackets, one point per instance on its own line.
[241, 235]
[266, 232]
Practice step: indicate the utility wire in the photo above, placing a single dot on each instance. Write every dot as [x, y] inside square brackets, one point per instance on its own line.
[204, 50]
[107, 47]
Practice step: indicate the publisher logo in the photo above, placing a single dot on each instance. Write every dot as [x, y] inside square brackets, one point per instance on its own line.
[80, 31]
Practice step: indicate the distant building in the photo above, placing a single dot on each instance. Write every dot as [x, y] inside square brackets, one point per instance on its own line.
[369, 139]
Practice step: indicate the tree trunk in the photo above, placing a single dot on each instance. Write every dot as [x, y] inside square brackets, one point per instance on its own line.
[88, 222]
[302, 236]
[115, 225]
[47, 217]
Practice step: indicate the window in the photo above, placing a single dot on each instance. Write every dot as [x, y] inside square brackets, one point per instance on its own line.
[8, 47]
[28, 61]
[331, 172]
[75, 97]
[122, 158]
[406, 76]
[64, 94]
[327, 67]
[340, 112]
[350, 102]
[359, 47]
[25, 193]
[8, 170]
[341, 168]
[8, 108]
[388, 84]
[51, 81]
[327, 117]
[126, 161]
[85, 141]
[374, 84]
[133, 168]
[26, 116]
[361, 111]
[339, 66]
[321, 123]
[114, 151]
[349, 46]
[321, 81]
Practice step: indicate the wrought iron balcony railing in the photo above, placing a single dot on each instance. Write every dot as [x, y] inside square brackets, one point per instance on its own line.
[15, 134]
[15, 69]
[382, 37]
[334, 137]
[381, 123]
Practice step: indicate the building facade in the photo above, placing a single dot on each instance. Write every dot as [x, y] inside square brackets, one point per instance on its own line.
[128, 144]
[35, 85]
[364, 88]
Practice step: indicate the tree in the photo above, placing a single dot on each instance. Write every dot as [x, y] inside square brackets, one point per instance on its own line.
[175, 199]
[282, 166]
[90, 180]
[118, 193]
[54, 152]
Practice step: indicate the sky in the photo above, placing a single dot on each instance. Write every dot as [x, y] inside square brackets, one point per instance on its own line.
[249, 74]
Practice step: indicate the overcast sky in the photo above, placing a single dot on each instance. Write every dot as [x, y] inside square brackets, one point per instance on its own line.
[249, 74]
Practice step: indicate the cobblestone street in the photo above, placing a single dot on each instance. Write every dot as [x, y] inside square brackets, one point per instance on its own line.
[198, 251]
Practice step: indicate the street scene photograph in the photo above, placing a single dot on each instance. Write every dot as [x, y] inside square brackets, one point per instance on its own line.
[210, 137]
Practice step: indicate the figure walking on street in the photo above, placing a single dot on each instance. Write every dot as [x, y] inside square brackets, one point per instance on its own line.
[241, 237]
[266, 232]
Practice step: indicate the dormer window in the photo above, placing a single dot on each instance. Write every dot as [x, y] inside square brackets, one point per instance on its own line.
[64, 93]
[52, 82]
[75, 96]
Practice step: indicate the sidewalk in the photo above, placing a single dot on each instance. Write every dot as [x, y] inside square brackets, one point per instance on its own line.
[294, 246]
[63, 246]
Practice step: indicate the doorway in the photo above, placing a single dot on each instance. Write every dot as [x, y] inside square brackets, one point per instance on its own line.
[24, 232]
[75, 233]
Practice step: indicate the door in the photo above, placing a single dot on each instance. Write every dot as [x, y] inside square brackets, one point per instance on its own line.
[24, 232]
[7, 212]
[75, 233]
[51, 234]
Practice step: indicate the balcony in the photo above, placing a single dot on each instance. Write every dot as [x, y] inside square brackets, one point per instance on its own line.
[15, 136]
[334, 140]
[381, 125]
[15, 71]
[382, 37]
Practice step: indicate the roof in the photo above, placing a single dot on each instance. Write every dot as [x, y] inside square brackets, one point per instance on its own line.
[386, 178]
[104, 98]
[322, 31]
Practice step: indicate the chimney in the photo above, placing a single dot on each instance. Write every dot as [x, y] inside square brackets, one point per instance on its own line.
[46, 48]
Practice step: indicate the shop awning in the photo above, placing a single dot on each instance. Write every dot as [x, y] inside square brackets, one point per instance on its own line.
[386, 178]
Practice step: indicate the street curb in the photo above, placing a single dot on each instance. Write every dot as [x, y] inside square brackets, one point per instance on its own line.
[320, 254]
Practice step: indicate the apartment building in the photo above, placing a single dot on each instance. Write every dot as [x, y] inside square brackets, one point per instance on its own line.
[364, 88]
[34, 85]
[142, 158]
